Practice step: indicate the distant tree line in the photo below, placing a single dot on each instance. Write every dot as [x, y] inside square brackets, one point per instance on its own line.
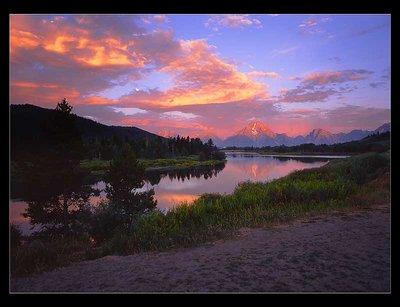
[107, 148]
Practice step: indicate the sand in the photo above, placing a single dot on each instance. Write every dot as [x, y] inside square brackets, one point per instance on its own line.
[337, 253]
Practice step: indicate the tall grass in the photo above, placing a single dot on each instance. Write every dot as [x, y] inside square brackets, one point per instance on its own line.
[335, 186]
[340, 185]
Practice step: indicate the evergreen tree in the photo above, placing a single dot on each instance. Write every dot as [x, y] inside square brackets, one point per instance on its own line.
[54, 179]
[123, 178]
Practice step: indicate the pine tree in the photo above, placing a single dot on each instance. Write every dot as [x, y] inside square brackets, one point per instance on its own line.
[123, 178]
[55, 179]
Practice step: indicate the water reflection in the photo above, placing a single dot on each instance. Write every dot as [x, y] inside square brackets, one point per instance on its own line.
[177, 186]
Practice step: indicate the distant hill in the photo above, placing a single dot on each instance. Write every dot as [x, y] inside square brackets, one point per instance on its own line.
[26, 118]
[26, 130]
[258, 134]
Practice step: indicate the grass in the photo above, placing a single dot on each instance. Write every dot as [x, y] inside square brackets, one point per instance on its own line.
[341, 185]
[178, 163]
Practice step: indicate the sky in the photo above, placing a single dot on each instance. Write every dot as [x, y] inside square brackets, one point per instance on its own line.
[207, 75]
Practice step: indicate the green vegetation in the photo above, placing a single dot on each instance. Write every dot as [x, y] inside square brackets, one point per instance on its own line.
[345, 184]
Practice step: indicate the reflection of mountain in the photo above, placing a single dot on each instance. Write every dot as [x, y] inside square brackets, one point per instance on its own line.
[263, 168]
[258, 134]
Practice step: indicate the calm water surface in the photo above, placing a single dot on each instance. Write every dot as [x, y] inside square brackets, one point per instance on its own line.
[173, 188]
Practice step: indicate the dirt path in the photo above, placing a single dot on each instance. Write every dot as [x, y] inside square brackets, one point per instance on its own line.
[347, 252]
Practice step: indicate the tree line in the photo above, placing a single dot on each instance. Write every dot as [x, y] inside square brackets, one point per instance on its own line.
[106, 148]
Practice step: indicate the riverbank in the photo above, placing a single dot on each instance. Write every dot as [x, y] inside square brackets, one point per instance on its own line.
[98, 168]
[291, 257]
[324, 155]
[341, 185]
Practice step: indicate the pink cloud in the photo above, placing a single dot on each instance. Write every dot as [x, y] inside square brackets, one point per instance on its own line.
[271, 74]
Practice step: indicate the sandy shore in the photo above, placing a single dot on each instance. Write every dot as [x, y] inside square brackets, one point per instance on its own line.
[344, 252]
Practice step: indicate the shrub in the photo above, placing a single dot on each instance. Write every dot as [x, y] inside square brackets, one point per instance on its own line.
[15, 236]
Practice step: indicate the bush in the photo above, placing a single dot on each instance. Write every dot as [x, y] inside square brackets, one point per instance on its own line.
[15, 236]
[218, 155]
[202, 156]
[105, 219]
[363, 168]
[43, 254]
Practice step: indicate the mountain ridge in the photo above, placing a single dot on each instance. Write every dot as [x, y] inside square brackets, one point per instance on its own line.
[258, 134]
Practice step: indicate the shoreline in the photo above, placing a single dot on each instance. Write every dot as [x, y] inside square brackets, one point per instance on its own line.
[264, 259]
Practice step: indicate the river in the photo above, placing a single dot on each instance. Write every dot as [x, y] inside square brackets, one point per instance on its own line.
[173, 188]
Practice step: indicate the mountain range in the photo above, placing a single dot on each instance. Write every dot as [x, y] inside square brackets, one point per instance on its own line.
[258, 134]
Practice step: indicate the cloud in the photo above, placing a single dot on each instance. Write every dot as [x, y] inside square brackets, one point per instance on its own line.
[283, 90]
[319, 86]
[371, 29]
[335, 59]
[283, 52]
[129, 111]
[271, 74]
[301, 95]
[82, 56]
[328, 77]
[311, 26]
[231, 21]
[201, 77]
[148, 19]
[376, 84]
[294, 78]
[300, 121]
[178, 115]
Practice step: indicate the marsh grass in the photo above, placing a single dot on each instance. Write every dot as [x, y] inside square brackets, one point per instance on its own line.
[341, 185]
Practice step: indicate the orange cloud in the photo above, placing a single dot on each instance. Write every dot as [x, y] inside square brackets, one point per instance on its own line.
[22, 39]
[46, 93]
[202, 78]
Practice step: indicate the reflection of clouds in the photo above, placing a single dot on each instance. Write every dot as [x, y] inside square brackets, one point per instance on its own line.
[176, 185]
[16, 209]
[170, 200]
[254, 168]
